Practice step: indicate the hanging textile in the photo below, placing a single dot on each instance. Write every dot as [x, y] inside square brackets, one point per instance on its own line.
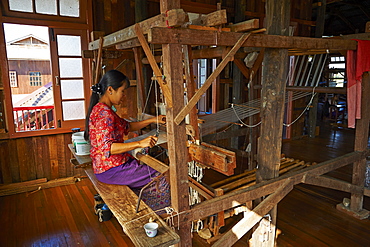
[357, 63]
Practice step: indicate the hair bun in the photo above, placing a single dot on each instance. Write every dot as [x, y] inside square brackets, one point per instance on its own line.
[96, 88]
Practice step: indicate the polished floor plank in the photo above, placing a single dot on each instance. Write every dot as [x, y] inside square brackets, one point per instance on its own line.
[64, 208]
[111, 229]
[54, 222]
[309, 213]
[318, 218]
[75, 214]
[98, 237]
[61, 216]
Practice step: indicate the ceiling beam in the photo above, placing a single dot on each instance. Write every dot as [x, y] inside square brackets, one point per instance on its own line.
[213, 38]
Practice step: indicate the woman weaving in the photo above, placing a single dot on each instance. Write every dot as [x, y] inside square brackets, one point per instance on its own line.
[111, 161]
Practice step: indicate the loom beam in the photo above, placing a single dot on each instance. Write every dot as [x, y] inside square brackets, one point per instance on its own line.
[219, 159]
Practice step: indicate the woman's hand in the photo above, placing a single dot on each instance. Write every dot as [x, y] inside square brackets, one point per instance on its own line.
[150, 141]
[139, 125]
[161, 119]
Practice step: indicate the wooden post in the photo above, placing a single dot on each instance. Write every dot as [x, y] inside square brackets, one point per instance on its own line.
[320, 20]
[312, 116]
[272, 103]
[361, 141]
[141, 13]
[190, 85]
[99, 61]
[320, 24]
[139, 81]
[238, 94]
[141, 10]
[229, 57]
[154, 65]
[176, 135]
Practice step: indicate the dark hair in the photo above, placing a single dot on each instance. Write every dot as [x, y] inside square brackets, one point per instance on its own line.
[112, 78]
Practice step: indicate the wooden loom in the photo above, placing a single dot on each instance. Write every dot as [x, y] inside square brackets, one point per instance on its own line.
[172, 41]
[235, 183]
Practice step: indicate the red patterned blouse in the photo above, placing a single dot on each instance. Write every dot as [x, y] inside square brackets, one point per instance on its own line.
[106, 127]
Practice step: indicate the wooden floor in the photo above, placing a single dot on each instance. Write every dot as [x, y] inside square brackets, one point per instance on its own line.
[64, 216]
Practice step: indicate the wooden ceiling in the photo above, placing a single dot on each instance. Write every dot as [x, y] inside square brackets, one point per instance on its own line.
[344, 16]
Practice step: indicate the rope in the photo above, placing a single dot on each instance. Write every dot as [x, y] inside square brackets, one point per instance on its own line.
[249, 126]
[305, 109]
[168, 210]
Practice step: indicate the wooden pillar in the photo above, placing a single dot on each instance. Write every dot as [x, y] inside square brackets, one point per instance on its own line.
[139, 81]
[319, 31]
[312, 117]
[141, 10]
[238, 85]
[141, 14]
[176, 135]
[190, 85]
[320, 20]
[361, 142]
[274, 74]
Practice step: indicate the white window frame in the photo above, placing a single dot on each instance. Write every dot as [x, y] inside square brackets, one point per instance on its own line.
[13, 78]
[33, 75]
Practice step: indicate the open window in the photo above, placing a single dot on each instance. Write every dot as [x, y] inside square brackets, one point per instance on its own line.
[45, 81]
[45, 9]
[69, 69]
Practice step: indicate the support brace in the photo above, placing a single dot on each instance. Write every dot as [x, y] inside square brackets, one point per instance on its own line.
[229, 57]
[254, 216]
[166, 91]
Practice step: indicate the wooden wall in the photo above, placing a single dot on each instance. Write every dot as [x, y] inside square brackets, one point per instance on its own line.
[37, 157]
[110, 16]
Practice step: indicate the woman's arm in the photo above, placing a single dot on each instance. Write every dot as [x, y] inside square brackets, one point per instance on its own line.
[142, 124]
[118, 147]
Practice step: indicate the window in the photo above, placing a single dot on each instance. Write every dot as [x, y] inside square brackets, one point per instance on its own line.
[48, 81]
[201, 78]
[68, 8]
[35, 78]
[336, 71]
[13, 78]
[70, 78]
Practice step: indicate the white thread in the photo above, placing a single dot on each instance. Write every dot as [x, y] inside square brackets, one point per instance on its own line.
[147, 98]
[169, 219]
[168, 210]
[199, 225]
[156, 107]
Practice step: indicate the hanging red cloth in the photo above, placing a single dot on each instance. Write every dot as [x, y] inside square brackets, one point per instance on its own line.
[357, 63]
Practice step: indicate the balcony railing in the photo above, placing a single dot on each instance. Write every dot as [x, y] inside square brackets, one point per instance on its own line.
[28, 118]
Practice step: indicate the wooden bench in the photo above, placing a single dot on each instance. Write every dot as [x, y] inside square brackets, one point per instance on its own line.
[122, 201]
